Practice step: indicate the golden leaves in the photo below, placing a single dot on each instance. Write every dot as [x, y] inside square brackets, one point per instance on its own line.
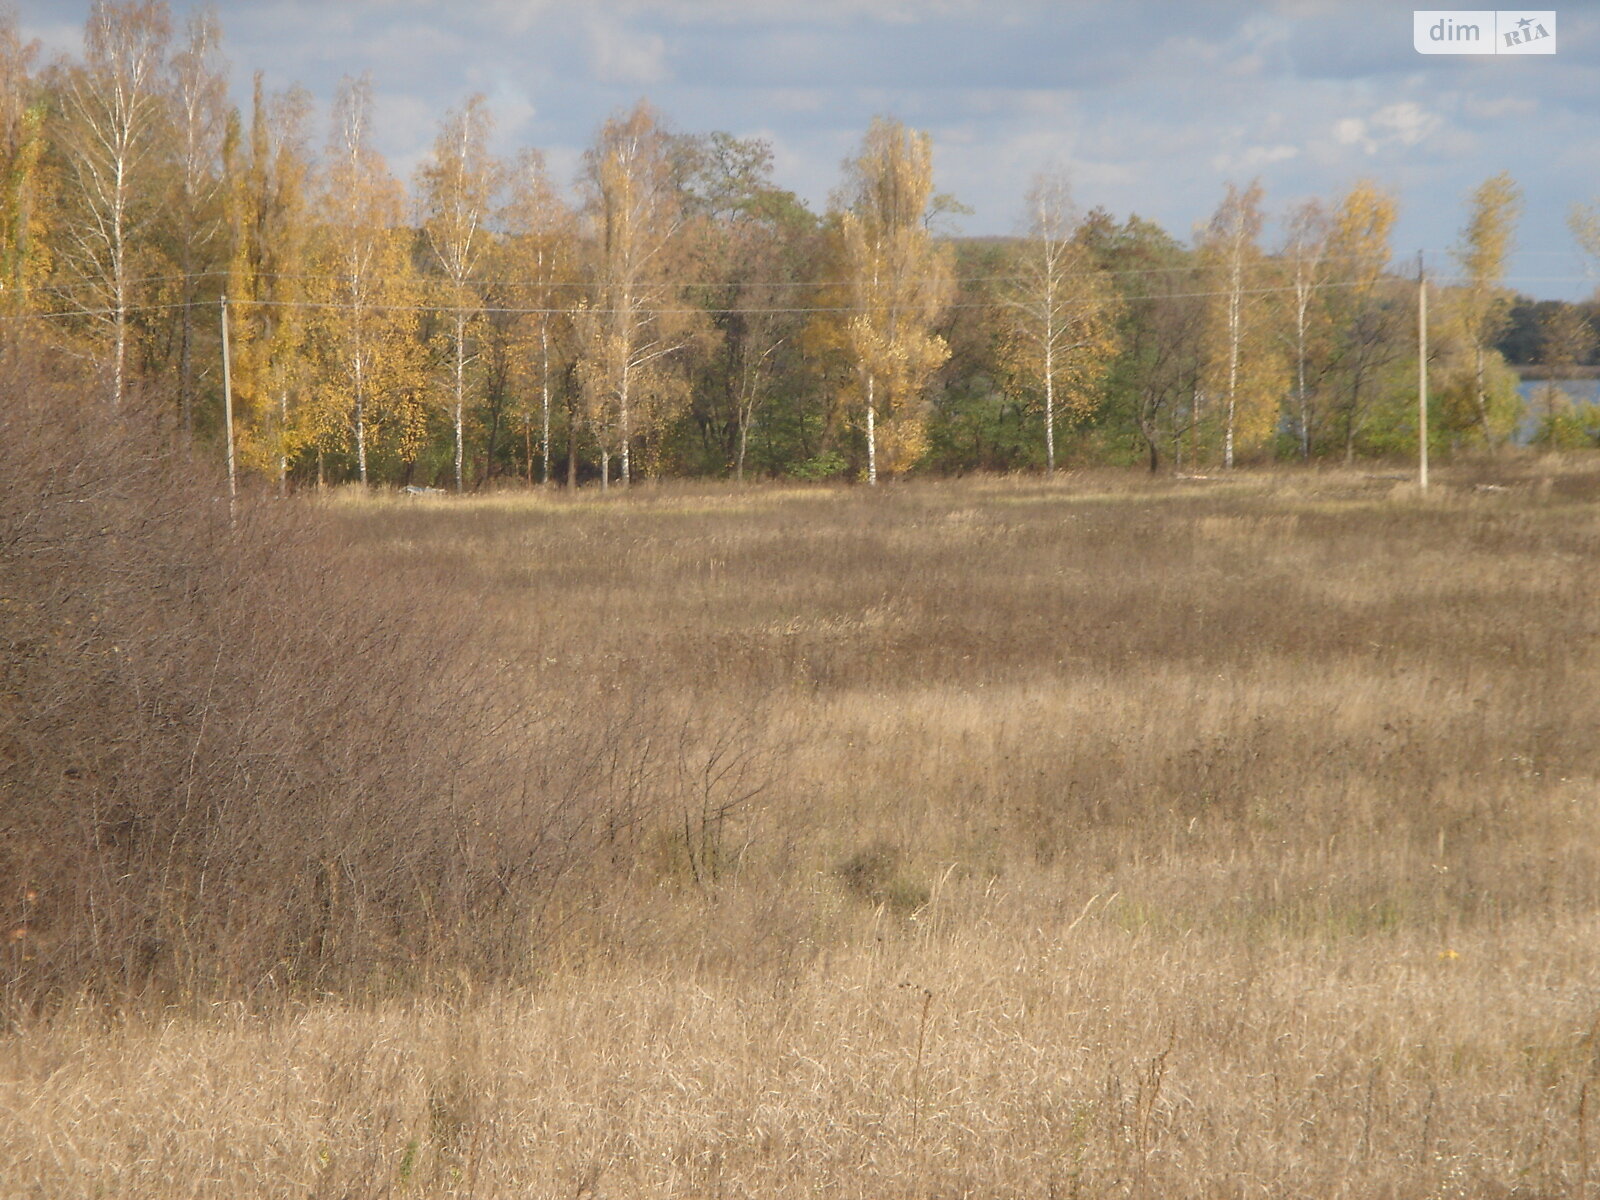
[1060, 322]
[896, 283]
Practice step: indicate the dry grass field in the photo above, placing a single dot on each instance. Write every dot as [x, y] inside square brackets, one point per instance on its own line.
[990, 839]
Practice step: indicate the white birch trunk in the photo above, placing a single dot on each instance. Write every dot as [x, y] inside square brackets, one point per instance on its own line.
[544, 394]
[1049, 407]
[872, 431]
[461, 350]
[1234, 302]
[283, 434]
[1301, 298]
[625, 453]
[119, 285]
[361, 420]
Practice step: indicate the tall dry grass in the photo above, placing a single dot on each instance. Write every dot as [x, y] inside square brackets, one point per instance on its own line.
[995, 839]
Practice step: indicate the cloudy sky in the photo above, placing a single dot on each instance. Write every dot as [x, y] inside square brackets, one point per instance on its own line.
[1150, 107]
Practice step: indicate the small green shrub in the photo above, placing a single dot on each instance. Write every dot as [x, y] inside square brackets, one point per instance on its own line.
[829, 465]
[877, 875]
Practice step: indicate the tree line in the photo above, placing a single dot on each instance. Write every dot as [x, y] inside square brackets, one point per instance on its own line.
[678, 313]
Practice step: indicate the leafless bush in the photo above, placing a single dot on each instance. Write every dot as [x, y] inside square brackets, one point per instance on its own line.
[234, 760]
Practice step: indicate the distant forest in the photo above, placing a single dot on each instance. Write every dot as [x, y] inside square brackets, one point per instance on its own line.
[1527, 339]
[674, 312]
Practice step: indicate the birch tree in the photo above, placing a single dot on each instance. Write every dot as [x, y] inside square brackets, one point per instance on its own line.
[1365, 320]
[1243, 372]
[1483, 305]
[761, 326]
[367, 305]
[634, 323]
[458, 185]
[898, 283]
[1565, 339]
[1584, 221]
[1061, 331]
[540, 258]
[1305, 255]
[114, 115]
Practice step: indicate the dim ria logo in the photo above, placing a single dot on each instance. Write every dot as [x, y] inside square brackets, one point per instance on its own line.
[1483, 31]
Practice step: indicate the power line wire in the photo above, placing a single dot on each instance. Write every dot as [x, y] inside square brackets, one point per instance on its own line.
[714, 310]
[1266, 263]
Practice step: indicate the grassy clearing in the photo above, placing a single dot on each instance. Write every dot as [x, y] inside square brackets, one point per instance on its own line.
[1006, 838]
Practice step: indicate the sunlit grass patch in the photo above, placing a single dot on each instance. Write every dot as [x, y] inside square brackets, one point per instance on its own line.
[1099, 835]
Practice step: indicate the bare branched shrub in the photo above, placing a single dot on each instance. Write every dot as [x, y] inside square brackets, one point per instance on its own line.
[235, 760]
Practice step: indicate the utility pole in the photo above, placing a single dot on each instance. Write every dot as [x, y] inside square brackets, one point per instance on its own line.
[227, 408]
[1422, 375]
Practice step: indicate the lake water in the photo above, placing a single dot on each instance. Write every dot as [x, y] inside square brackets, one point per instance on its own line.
[1584, 392]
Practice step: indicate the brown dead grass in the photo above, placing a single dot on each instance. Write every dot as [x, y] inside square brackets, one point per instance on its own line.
[1086, 838]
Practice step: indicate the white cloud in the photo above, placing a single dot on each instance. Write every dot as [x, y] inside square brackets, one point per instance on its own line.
[761, 11]
[1352, 131]
[514, 112]
[516, 17]
[629, 57]
[1253, 158]
[406, 127]
[1408, 122]
[1485, 109]
[797, 100]
[55, 38]
[1395, 125]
